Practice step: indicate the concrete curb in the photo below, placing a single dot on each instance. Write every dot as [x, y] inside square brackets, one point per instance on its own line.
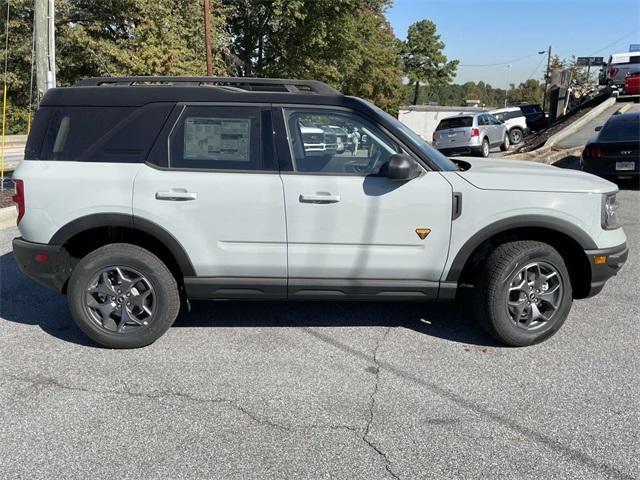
[581, 122]
[8, 217]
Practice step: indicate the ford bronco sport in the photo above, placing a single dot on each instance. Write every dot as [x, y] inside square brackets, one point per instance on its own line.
[140, 193]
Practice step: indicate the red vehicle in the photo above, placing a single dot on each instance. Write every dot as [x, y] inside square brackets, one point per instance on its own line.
[632, 83]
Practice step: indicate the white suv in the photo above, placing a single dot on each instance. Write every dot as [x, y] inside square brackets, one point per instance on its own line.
[138, 194]
[515, 121]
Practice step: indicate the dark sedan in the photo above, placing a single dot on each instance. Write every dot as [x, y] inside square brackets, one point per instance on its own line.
[615, 152]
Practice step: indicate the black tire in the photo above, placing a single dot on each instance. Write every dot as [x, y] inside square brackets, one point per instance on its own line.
[492, 293]
[484, 149]
[516, 136]
[153, 274]
[504, 146]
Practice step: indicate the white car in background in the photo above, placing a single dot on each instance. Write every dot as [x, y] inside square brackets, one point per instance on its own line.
[515, 121]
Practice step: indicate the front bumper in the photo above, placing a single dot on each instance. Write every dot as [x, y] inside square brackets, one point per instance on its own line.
[49, 265]
[601, 272]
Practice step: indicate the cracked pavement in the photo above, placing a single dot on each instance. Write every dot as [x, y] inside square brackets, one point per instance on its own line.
[321, 390]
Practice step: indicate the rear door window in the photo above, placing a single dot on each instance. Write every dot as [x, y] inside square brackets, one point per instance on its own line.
[456, 122]
[219, 138]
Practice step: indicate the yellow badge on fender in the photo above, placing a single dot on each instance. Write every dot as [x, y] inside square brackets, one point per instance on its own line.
[423, 232]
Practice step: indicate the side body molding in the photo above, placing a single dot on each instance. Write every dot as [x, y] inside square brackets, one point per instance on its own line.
[514, 223]
[128, 221]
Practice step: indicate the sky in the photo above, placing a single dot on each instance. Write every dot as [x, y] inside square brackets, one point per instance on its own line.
[511, 32]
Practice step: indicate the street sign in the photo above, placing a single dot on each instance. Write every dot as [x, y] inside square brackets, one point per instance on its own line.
[634, 47]
[589, 61]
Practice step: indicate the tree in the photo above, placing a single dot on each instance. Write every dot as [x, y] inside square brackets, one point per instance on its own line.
[112, 37]
[423, 57]
[346, 43]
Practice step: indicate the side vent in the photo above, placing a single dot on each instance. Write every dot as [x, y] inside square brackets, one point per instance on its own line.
[456, 207]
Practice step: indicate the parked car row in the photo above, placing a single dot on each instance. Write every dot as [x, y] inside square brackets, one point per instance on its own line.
[477, 133]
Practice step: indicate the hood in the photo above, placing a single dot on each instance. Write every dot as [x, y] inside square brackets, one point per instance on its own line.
[498, 174]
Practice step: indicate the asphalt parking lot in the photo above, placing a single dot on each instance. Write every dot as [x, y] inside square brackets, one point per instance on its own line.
[319, 390]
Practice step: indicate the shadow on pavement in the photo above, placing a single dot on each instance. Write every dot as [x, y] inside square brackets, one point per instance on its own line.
[24, 301]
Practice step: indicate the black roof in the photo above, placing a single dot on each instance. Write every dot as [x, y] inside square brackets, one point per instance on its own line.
[624, 117]
[136, 91]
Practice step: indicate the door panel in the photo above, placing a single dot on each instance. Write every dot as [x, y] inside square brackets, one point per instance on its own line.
[370, 232]
[233, 224]
[219, 194]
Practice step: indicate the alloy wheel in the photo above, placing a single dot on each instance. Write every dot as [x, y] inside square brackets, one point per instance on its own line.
[120, 300]
[534, 296]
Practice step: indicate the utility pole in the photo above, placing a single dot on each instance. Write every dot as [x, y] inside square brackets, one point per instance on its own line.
[44, 25]
[51, 45]
[207, 36]
[506, 93]
[546, 80]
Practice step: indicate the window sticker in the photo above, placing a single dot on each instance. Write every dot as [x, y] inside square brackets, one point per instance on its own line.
[222, 139]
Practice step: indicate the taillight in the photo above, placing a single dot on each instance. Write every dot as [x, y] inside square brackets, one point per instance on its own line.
[592, 152]
[18, 198]
[613, 71]
[475, 132]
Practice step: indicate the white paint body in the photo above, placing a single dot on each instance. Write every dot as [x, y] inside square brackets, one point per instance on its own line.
[254, 224]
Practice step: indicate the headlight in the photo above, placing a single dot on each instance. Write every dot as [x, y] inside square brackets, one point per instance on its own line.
[610, 212]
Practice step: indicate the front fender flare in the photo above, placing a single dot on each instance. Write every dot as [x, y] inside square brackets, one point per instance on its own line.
[512, 223]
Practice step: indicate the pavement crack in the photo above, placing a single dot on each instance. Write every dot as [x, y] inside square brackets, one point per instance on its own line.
[47, 382]
[372, 404]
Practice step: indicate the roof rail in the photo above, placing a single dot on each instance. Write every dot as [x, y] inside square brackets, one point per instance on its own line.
[243, 83]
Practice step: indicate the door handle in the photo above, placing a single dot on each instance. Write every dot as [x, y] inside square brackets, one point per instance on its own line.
[176, 195]
[319, 197]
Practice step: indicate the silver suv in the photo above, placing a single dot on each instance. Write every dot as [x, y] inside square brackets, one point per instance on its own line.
[474, 133]
[140, 194]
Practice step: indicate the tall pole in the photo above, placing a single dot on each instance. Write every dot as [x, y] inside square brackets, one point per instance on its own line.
[207, 36]
[546, 80]
[51, 44]
[40, 14]
[506, 93]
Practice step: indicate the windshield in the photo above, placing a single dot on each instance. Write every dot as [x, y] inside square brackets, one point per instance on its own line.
[418, 142]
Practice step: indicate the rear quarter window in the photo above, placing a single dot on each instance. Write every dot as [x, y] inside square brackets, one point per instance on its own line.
[95, 134]
[457, 122]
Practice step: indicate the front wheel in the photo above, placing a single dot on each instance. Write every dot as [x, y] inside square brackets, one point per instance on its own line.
[123, 296]
[523, 295]
[505, 143]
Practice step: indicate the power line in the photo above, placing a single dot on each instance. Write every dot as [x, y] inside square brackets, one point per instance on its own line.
[536, 69]
[613, 43]
[499, 63]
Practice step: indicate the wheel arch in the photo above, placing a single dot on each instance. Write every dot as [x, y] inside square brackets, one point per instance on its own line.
[570, 241]
[85, 234]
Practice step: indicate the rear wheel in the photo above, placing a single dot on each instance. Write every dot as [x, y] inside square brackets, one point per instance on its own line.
[515, 136]
[123, 296]
[484, 149]
[523, 294]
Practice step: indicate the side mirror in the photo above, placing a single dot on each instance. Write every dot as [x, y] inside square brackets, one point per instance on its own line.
[401, 167]
[598, 128]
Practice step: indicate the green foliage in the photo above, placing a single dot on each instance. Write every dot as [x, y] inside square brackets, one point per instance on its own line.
[423, 58]
[529, 91]
[346, 43]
